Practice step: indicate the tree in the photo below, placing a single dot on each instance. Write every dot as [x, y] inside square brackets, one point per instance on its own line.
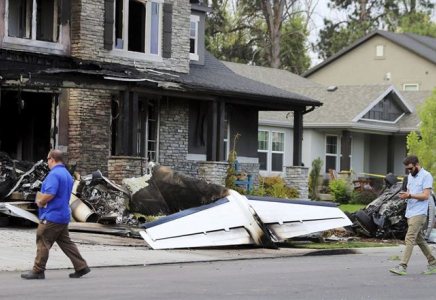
[262, 32]
[424, 144]
[364, 16]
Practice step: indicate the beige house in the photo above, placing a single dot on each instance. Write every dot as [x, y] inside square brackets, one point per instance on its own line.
[407, 61]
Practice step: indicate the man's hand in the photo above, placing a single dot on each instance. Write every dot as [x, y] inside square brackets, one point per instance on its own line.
[404, 195]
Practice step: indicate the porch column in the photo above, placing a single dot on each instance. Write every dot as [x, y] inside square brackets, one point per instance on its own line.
[215, 131]
[298, 137]
[345, 151]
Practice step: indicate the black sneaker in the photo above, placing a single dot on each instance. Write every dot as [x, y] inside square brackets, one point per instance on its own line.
[33, 275]
[80, 273]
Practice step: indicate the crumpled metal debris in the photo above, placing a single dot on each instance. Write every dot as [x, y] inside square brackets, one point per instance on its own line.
[385, 217]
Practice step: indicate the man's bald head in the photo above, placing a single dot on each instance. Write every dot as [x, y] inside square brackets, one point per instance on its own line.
[57, 155]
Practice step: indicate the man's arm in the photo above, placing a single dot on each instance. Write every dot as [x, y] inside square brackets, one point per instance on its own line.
[421, 197]
[44, 199]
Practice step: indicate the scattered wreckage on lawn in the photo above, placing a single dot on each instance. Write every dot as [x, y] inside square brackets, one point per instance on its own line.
[196, 214]
[384, 217]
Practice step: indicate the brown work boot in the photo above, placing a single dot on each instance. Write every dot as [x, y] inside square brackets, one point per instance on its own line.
[80, 273]
[33, 275]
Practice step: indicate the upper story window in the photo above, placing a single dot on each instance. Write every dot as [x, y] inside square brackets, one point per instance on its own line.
[380, 51]
[193, 38]
[33, 19]
[138, 26]
[411, 87]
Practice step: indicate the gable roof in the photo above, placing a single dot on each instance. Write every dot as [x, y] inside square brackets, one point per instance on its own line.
[422, 46]
[344, 107]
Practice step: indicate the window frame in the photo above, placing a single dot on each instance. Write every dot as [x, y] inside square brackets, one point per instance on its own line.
[337, 154]
[124, 52]
[194, 19]
[269, 152]
[411, 84]
[32, 41]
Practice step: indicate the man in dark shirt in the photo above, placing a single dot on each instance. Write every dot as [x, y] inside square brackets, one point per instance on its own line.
[54, 216]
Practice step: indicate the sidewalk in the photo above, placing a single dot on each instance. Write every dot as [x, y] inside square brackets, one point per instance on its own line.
[17, 252]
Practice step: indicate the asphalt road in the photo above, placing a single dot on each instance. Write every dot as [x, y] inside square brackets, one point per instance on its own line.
[358, 276]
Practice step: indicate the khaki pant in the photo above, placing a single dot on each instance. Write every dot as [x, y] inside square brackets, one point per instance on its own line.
[46, 235]
[414, 234]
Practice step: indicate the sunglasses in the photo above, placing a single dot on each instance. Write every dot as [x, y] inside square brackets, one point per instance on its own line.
[411, 168]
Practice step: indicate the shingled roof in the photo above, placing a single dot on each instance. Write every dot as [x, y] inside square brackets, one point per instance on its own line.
[215, 77]
[422, 46]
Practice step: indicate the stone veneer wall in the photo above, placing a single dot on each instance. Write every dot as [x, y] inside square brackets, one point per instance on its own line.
[87, 36]
[173, 135]
[212, 171]
[298, 178]
[121, 167]
[89, 131]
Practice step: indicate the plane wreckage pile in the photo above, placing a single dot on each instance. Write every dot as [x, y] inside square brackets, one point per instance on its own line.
[194, 213]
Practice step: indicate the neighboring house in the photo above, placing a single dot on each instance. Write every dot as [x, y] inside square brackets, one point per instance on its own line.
[408, 61]
[118, 83]
[374, 119]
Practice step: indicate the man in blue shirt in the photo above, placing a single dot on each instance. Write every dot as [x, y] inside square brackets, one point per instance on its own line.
[54, 216]
[419, 187]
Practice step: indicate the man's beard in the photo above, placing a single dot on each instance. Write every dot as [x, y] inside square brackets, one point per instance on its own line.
[415, 171]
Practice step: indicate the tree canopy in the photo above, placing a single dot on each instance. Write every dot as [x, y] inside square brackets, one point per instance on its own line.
[364, 16]
[269, 33]
[424, 144]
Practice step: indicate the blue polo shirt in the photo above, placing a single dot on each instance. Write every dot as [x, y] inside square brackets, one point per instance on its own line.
[60, 184]
[416, 185]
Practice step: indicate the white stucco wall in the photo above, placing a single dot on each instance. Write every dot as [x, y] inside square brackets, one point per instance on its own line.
[400, 153]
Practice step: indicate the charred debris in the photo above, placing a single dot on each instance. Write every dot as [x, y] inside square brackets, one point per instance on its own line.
[96, 199]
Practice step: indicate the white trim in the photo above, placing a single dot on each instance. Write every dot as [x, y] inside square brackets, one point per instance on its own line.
[386, 122]
[337, 154]
[248, 160]
[199, 157]
[411, 84]
[124, 52]
[136, 55]
[196, 20]
[32, 43]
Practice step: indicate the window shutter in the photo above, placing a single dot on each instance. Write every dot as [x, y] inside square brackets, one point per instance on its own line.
[167, 30]
[109, 24]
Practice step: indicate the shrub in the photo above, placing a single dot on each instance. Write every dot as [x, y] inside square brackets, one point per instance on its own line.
[363, 197]
[313, 177]
[339, 190]
[275, 187]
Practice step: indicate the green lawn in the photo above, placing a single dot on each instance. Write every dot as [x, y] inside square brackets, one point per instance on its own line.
[351, 208]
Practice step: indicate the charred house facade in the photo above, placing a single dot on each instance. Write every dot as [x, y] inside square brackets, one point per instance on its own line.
[119, 83]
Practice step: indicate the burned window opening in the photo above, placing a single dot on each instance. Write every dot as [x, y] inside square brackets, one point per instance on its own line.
[146, 129]
[20, 18]
[25, 121]
[34, 19]
[47, 16]
[136, 26]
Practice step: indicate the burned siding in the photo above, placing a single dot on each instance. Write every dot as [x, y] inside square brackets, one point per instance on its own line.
[89, 132]
[87, 37]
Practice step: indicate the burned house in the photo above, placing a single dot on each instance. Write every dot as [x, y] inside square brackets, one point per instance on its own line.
[119, 83]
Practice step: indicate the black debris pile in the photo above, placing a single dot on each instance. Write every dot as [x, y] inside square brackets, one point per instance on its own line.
[20, 177]
[384, 218]
[168, 191]
[106, 198]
